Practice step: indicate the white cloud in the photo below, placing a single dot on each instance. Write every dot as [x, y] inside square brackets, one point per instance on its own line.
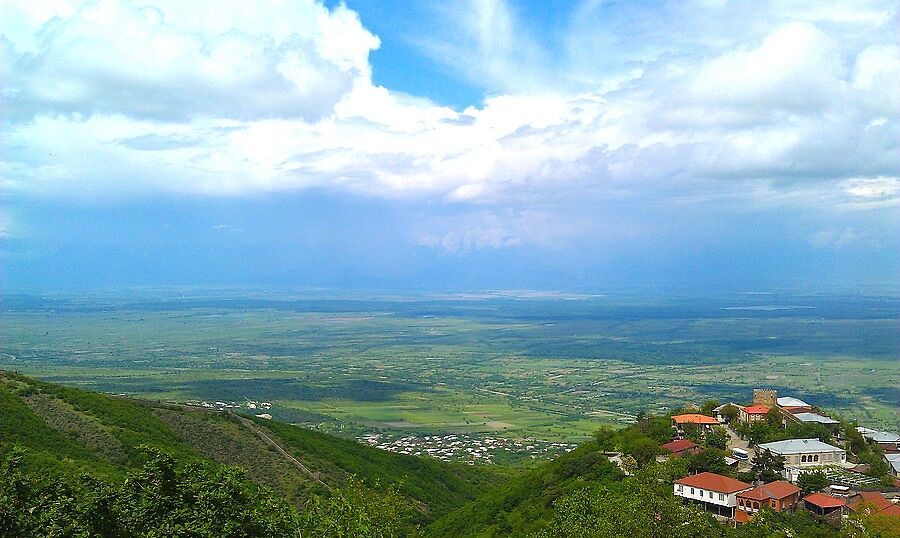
[788, 107]
[181, 60]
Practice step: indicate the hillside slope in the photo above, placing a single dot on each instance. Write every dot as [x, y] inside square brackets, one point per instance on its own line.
[525, 503]
[68, 431]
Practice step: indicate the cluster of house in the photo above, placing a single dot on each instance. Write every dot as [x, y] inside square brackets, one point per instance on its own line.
[466, 448]
[739, 500]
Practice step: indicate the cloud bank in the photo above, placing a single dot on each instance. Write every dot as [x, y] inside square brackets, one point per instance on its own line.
[708, 104]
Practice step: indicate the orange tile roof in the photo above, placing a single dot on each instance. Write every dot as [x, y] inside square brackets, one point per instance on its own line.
[773, 490]
[713, 482]
[694, 418]
[872, 498]
[824, 501]
[679, 445]
[756, 410]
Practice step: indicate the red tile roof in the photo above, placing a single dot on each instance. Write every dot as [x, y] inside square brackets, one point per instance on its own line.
[679, 445]
[824, 501]
[756, 410]
[872, 498]
[694, 418]
[713, 482]
[773, 490]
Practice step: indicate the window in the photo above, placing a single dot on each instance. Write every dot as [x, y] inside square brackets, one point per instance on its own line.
[803, 458]
[692, 491]
[816, 457]
[680, 488]
[710, 495]
[721, 496]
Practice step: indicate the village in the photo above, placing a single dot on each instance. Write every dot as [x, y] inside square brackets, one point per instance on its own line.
[828, 479]
[466, 448]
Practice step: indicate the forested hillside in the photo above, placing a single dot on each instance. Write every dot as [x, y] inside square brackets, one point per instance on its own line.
[52, 435]
[75, 463]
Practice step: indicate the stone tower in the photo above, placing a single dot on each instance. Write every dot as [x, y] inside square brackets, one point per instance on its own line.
[766, 397]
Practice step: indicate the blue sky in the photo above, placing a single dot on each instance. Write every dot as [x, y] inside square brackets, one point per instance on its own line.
[433, 145]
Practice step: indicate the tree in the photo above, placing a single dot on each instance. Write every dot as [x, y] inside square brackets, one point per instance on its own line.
[774, 418]
[730, 413]
[606, 438]
[766, 466]
[692, 432]
[811, 481]
[717, 438]
[642, 449]
[642, 505]
[758, 432]
[710, 460]
[708, 406]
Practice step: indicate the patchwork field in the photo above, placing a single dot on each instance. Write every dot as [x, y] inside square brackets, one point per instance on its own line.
[552, 368]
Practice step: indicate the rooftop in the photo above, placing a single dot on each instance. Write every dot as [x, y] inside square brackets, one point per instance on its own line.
[894, 460]
[815, 417]
[679, 445]
[787, 401]
[756, 410]
[873, 498]
[693, 418]
[824, 501]
[773, 490]
[799, 446]
[879, 436]
[714, 482]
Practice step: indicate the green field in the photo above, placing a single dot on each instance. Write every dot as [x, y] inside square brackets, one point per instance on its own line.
[548, 367]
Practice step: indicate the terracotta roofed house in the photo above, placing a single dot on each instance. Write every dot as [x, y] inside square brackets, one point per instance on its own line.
[680, 446]
[778, 495]
[825, 506]
[717, 493]
[873, 501]
[703, 422]
[753, 413]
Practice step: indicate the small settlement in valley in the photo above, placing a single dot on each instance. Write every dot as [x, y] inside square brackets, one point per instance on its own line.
[837, 471]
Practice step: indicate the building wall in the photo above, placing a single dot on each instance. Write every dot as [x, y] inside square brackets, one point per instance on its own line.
[813, 459]
[699, 494]
[766, 397]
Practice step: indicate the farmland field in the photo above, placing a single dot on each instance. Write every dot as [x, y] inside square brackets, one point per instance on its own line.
[551, 367]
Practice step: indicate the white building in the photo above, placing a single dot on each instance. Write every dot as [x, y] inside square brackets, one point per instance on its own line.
[800, 454]
[894, 461]
[717, 493]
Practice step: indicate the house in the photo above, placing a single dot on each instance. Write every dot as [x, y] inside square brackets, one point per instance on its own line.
[778, 495]
[794, 405]
[815, 417]
[889, 442]
[753, 413]
[679, 447]
[808, 417]
[717, 493]
[802, 453]
[825, 506]
[872, 502]
[894, 461]
[703, 423]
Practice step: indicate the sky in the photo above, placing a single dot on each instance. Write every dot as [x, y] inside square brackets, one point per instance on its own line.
[433, 145]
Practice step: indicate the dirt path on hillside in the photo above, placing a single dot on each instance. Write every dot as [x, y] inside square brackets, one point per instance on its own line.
[250, 425]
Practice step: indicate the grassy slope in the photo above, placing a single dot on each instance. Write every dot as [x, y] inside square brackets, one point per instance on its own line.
[524, 504]
[70, 430]
[439, 487]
